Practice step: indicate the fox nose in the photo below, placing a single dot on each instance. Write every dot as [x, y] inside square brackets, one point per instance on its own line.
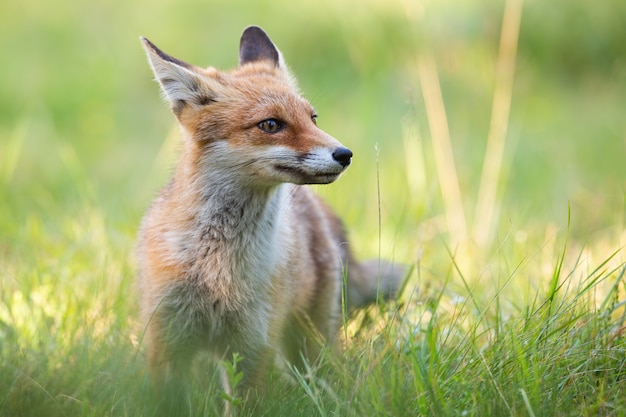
[343, 156]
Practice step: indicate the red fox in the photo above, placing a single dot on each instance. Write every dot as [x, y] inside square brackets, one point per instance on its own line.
[236, 254]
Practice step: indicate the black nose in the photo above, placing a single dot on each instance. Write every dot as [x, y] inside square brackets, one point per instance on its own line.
[343, 156]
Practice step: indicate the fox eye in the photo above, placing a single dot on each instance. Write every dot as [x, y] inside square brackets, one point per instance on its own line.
[314, 118]
[271, 125]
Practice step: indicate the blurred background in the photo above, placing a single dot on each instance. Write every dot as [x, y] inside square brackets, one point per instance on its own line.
[83, 129]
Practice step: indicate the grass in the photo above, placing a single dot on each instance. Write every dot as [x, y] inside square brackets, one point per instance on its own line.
[521, 312]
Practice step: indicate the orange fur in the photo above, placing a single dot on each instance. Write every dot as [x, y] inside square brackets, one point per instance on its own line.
[236, 254]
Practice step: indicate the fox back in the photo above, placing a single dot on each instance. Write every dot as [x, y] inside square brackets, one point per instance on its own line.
[236, 254]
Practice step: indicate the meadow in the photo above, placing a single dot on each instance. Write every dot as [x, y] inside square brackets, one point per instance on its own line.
[490, 148]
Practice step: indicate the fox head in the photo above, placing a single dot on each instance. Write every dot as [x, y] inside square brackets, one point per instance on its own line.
[250, 122]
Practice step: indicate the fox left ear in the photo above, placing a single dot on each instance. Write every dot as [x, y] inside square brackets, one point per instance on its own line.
[182, 83]
[256, 46]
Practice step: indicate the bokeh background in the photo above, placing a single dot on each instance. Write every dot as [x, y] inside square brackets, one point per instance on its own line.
[81, 120]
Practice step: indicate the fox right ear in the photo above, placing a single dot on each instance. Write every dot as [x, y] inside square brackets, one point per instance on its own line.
[255, 46]
[182, 84]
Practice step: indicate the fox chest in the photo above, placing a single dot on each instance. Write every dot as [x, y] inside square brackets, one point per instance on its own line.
[229, 260]
[195, 314]
[228, 264]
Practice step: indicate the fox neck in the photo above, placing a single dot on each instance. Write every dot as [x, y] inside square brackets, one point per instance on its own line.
[235, 226]
[235, 212]
[229, 203]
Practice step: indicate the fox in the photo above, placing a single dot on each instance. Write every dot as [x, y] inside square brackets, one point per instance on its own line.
[237, 254]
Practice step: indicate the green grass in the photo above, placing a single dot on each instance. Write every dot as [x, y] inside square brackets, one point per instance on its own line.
[530, 321]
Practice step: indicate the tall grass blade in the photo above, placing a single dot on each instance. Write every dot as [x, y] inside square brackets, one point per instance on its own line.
[492, 166]
[442, 149]
[529, 407]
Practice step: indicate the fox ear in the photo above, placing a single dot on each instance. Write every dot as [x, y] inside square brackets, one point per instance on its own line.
[181, 83]
[256, 46]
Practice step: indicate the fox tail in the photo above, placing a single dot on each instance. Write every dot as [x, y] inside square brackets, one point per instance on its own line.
[373, 280]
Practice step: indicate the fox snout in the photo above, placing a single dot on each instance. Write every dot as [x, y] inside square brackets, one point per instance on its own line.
[316, 166]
